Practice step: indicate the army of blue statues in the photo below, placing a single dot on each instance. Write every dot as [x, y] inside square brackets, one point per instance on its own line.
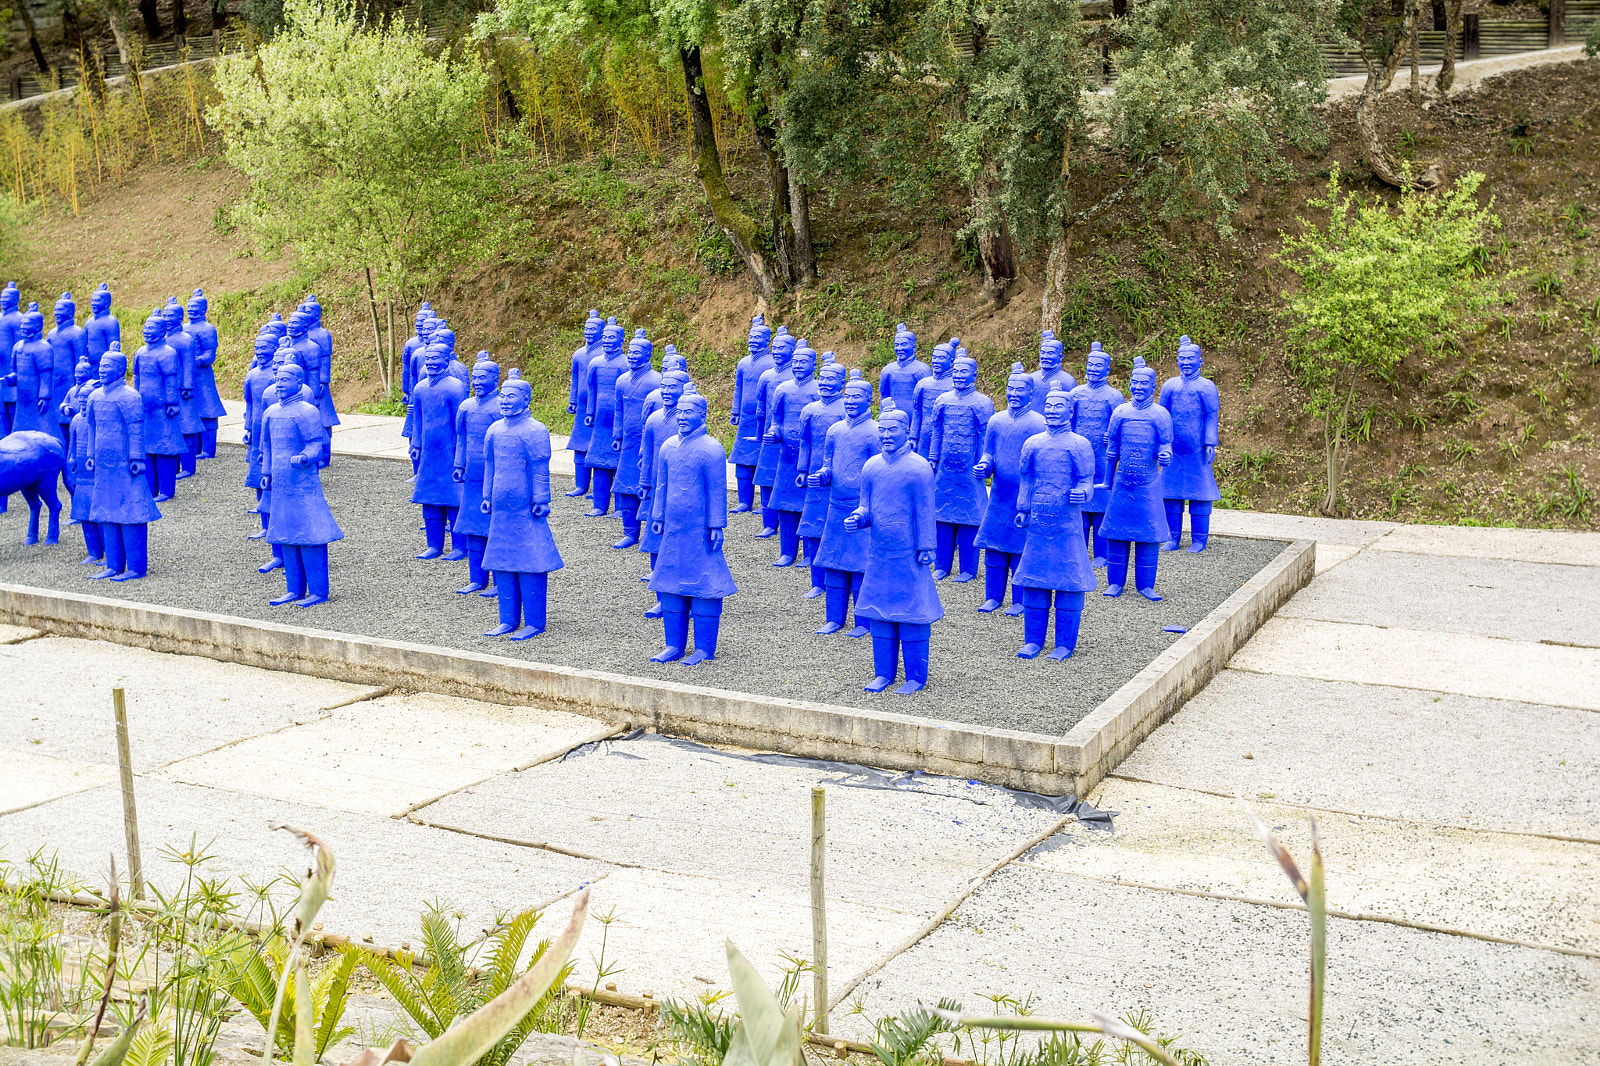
[1065, 479]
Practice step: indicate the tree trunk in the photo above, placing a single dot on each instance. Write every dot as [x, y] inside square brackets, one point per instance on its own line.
[805, 256]
[33, 36]
[1416, 70]
[1056, 266]
[778, 186]
[1452, 29]
[219, 14]
[117, 19]
[180, 20]
[739, 227]
[1378, 82]
[377, 338]
[152, 18]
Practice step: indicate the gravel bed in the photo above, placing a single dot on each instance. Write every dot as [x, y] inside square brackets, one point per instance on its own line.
[200, 560]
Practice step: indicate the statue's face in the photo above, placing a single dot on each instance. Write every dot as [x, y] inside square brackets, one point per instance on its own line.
[759, 339]
[964, 374]
[9, 299]
[1055, 409]
[893, 433]
[671, 392]
[197, 310]
[943, 360]
[289, 377]
[905, 346]
[435, 360]
[1098, 369]
[113, 368]
[691, 417]
[1189, 362]
[783, 351]
[425, 328]
[64, 315]
[831, 383]
[857, 400]
[1019, 390]
[264, 354]
[483, 381]
[154, 330]
[592, 328]
[638, 357]
[611, 340]
[804, 364]
[1049, 358]
[1143, 385]
[82, 372]
[297, 327]
[100, 302]
[514, 402]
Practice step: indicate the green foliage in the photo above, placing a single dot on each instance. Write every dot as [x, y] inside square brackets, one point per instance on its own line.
[449, 989]
[362, 147]
[40, 995]
[698, 1034]
[254, 983]
[1377, 283]
[1591, 42]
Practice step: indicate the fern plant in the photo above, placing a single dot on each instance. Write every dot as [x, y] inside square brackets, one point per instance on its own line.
[254, 983]
[450, 988]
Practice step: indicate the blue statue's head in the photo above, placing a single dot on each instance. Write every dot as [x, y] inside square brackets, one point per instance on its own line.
[198, 305]
[964, 372]
[672, 383]
[313, 310]
[155, 328]
[857, 395]
[783, 346]
[803, 364]
[515, 395]
[445, 336]
[83, 371]
[830, 380]
[671, 360]
[611, 338]
[1098, 365]
[10, 297]
[485, 375]
[426, 327]
[266, 344]
[100, 301]
[1055, 408]
[1142, 382]
[944, 354]
[1019, 388]
[905, 344]
[1190, 361]
[691, 414]
[760, 335]
[113, 365]
[639, 351]
[290, 376]
[298, 324]
[436, 359]
[32, 324]
[894, 427]
[424, 313]
[66, 310]
[285, 352]
[593, 326]
[1050, 353]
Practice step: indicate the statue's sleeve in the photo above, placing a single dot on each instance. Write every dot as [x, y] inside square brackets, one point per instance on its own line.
[88, 421]
[1164, 426]
[647, 451]
[829, 442]
[1213, 404]
[716, 480]
[169, 376]
[1114, 436]
[539, 469]
[461, 436]
[658, 499]
[990, 438]
[589, 391]
[1028, 472]
[488, 460]
[868, 476]
[309, 422]
[1082, 464]
[927, 531]
[266, 443]
[738, 385]
[803, 457]
[1165, 399]
[936, 433]
[186, 367]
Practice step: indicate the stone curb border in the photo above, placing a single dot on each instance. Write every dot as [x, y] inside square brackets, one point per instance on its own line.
[1056, 765]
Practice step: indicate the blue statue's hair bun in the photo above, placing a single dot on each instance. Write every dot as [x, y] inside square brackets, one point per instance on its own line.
[1048, 335]
[514, 374]
[855, 374]
[116, 346]
[1094, 346]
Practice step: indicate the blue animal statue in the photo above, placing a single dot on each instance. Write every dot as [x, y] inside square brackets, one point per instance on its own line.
[689, 512]
[746, 408]
[30, 462]
[999, 536]
[520, 550]
[1057, 479]
[1193, 402]
[898, 597]
[1138, 446]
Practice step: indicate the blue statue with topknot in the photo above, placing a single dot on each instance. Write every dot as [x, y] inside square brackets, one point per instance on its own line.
[1138, 446]
[999, 536]
[1194, 403]
[1057, 479]
[520, 551]
[473, 418]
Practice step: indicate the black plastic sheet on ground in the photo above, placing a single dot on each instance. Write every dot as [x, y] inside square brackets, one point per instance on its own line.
[854, 775]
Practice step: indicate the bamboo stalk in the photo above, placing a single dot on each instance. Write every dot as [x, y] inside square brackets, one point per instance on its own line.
[130, 814]
[819, 911]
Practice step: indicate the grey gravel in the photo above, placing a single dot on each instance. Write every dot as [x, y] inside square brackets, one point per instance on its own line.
[200, 560]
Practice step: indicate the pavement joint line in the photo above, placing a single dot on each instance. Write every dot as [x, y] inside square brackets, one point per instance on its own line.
[572, 853]
[549, 756]
[546, 904]
[228, 744]
[37, 634]
[1485, 830]
[1411, 688]
[370, 694]
[1350, 916]
[1568, 644]
[950, 908]
[51, 799]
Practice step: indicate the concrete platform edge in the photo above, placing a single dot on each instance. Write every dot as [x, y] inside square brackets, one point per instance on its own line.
[1016, 759]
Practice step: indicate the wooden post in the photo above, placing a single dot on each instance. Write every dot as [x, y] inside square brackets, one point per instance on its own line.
[130, 816]
[1469, 36]
[1557, 30]
[819, 912]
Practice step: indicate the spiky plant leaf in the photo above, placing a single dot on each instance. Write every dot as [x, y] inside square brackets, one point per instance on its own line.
[332, 993]
[150, 1048]
[767, 1034]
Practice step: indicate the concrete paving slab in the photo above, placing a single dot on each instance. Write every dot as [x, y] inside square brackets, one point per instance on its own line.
[58, 690]
[697, 811]
[16, 634]
[1519, 887]
[384, 756]
[366, 439]
[1468, 664]
[348, 422]
[1340, 531]
[1231, 977]
[1331, 555]
[1491, 597]
[670, 930]
[31, 777]
[1529, 545]
[1404, 753]
[387, 869]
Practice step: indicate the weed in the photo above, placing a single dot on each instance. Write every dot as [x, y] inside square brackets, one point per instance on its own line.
[1521, 146]
[1460, 450]
[1253, 464]
[1155, 260]
[1459, 404]
[1576, 217]
[40, 998]
[1542, 396]
[1547, 284]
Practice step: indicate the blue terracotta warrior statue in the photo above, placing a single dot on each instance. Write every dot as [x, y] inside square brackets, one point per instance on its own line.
[412, 372]
[784, 415]
[35, 376]
[689, 511]
[1089, 408]
[783, 347]
[955, 444]
[302, 527]
[256, 381]
[157, 375]
[322, 381]
[183, 342]
[10, 334]
[633, 391]
[816, 418]
[1138, 445]
[659, 428]
[473, 418]
[79, 475]
[1193, 402]
[433, 447]
[102, 329]
[746, 411]
[842, 554]
[578, 401]
[270, 397]
[652, 403]
[1050, 375]
[898, 596]
[600, 387]
[930, 389]
[1000, 537]
[68, 348]
[898, 380]
[206, 398]
[119, 501]
[1057, 479]
[516, 476]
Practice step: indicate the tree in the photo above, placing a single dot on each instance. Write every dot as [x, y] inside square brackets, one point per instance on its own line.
[1376, 284]
[1204, 90]
[362, 150]
[1384, 36]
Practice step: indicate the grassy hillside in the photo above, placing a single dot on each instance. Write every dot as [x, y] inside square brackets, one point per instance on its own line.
[1500, 430]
